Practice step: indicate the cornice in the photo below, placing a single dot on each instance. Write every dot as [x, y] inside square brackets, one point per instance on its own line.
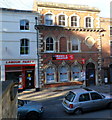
[56, 27]
[67, 6]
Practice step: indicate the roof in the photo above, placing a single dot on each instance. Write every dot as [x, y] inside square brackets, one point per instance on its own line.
[16, 10]
[67, 6]
[82, 90]
[17, 4]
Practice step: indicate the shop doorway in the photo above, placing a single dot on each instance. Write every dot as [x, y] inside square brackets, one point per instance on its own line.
[111, 73]
[29, 78]
[90, 74]
[23, 74]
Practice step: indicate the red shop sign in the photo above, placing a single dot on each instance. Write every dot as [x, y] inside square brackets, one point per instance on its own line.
[63, 57]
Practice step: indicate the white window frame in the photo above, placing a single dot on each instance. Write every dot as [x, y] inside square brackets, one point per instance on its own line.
[92, 19]
[54, 72]
[66, 22]
[76, 44]
[78, 20]
[24, 25]
[67, 73]
[24, 46]
[110, 48]
[53, 18]
[49, 51]
[76, 79]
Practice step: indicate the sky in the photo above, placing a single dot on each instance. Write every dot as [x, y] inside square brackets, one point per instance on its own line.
[103, 5]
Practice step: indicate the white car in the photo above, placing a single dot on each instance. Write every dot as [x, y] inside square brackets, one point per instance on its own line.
[85, 99]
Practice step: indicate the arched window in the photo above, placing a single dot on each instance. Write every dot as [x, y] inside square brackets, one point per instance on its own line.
[63, 71]
[74, 21]
[49, 19]
[76, 72]
[24, 46]
[49, 44]
[88, 22]
[62, 20]
[50, 74]
[24, 25]
[75, 45]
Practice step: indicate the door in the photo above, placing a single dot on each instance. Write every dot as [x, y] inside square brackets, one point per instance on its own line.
[110, 73]
[29, 78]
[97, 101]
[85, 102]
[90, 74]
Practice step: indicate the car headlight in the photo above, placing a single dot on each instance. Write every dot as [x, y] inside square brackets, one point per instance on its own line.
[41, 109]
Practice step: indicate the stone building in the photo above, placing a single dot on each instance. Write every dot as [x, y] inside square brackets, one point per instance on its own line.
[70, 44]
[106, 50]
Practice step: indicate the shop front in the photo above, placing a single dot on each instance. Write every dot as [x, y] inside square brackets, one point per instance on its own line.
[23, 72]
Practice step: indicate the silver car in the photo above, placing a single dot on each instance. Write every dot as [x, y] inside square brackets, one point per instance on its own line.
[85, 99]
[29, 110]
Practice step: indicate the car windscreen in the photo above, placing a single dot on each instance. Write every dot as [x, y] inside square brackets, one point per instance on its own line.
[70, 96]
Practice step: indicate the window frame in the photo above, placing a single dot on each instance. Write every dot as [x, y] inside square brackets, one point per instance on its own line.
[111, 48]
[65, 21]
[65, 72]
[25, 46]
[77, 22]
[84, 100]
[97, 94]
[77, 73]
[54, 73]
[24, 26]
[88, 22]
[52, 19]
[49, 44]
[76, 45]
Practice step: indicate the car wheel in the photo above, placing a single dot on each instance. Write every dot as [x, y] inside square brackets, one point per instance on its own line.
[78, 111]
[32, 116]
[110, 105]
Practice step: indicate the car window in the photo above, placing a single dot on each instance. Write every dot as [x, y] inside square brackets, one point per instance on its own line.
[84, 97]
[95, 96]
[70, 96]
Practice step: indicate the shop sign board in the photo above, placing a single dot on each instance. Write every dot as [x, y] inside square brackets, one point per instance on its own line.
[20, 61]
[63, 57]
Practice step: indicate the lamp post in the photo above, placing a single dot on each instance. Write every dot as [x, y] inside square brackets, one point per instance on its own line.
[37, 33]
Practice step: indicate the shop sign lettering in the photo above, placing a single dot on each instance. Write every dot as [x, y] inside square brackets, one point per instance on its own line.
[63, 57]
[29, 61]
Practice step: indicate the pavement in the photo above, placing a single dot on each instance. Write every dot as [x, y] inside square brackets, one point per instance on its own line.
[32, 94]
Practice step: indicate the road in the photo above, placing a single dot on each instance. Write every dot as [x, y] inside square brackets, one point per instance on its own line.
[52, 102]
[55, 111]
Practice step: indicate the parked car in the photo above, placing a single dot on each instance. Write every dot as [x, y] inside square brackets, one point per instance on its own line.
[85, 99]
[29, 110]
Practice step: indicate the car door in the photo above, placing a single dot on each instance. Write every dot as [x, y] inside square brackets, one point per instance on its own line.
[97, 100]
[84, 101]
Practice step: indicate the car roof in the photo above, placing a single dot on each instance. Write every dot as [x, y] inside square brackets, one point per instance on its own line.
[82, 90]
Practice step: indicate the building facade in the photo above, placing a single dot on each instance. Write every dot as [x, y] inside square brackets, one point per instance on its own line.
[18, 41]
[70, 45]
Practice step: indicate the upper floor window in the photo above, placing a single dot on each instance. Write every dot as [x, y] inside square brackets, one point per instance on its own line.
[75, 45]
[62, 20]
[24, 25]
[74, 21]
[111, 48]
[24, 46]
[49, 44]
[49, 19]
[88, 22]
[110, 30]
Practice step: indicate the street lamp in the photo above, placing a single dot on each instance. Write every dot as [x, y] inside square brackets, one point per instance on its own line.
[37, 30]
